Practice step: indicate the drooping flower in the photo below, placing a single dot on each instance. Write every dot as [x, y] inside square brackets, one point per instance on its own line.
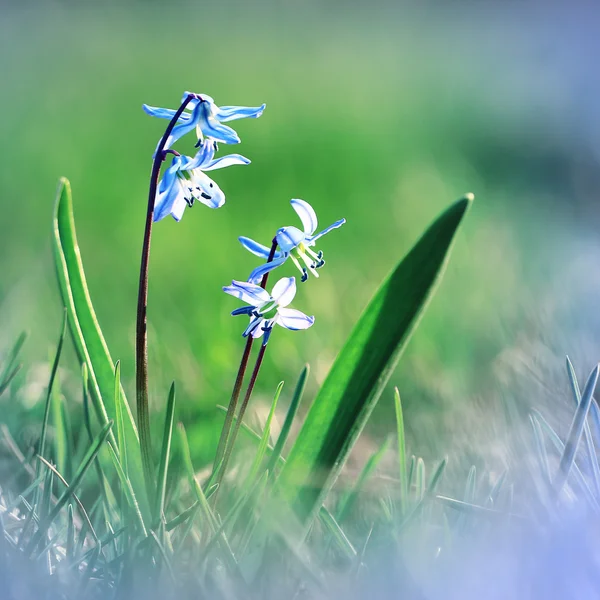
[265, 310]
[185, 182]
[294, 244]
[203, 115]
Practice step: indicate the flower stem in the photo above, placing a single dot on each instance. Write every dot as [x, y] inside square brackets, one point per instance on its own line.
[141, 338]
[237, 386]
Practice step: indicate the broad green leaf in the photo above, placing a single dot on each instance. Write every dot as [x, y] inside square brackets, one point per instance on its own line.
[363, 367]
[87, 337]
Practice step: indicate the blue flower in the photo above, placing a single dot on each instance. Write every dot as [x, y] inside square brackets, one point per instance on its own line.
[293, 244]
[203, 115]
[266, 309]
[184, 182]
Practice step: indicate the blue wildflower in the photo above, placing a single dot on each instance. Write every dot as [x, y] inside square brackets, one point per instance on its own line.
[266, 309]
[184, 182]
[203, 115]
[294, 244]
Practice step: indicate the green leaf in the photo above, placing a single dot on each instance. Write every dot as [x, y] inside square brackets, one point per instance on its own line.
[363, 367]
[89, 342]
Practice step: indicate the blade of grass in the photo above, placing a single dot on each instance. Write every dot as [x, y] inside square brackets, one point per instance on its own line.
[575, 432]
[287, 424]
[54, 370]
[68, 493]
[209, 516]
[560, 447]
[165, 455]
[348, 500]
[589, 440]
[264, 440]
[75, 497]
[363, 367]
[401, 451]
[10, 369]
[337, 533]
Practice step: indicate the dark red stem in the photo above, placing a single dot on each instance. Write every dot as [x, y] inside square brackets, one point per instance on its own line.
[237, 386]
[141, 338]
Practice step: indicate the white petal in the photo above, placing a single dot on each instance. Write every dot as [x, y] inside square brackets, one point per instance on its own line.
[284, 291]
[248, 292]
[307, 215]
[293, 319]
[206, 190]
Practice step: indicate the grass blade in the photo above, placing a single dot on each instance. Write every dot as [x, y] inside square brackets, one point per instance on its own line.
[165, 455]
[337, 533]
[587, 432]
[264, 440]
[287, 424]
[401, 452]
[576, 431]
[348, 500]
[68, 493]
[363, 367]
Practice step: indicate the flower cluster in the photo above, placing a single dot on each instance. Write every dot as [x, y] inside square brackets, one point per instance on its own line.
[185, 181]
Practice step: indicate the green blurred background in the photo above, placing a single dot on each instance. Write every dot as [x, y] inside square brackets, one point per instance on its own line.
[382, 113]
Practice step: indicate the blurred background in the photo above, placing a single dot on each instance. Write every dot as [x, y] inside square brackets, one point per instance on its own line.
[382, 113]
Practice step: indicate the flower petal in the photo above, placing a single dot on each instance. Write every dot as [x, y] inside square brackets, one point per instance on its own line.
[289, 238]
[203, 157]
[163, 113]
[210, 127]
[205, 190]
[293, 319]
[247, 292]
[178, 207]
[254, 327]
[230, 113]
[307, 215]
[284, 291]
[168, 190]
[226, 161]
[326, 230]
[258, 273]
[255, 247]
